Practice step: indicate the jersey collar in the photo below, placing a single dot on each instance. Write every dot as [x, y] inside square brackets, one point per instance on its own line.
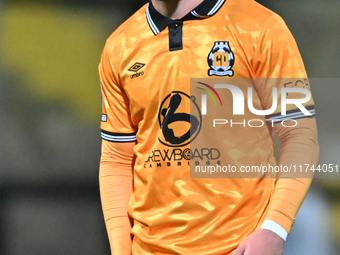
[158, 22]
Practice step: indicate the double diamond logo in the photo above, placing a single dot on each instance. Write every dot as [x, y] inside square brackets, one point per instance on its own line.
[136, 66]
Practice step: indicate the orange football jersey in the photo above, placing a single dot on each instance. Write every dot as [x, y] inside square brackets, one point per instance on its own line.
[145, 73]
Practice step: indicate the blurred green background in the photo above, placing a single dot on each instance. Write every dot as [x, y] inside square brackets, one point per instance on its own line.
[50, 116]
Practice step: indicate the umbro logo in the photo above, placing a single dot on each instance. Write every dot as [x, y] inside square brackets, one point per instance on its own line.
[135, 68]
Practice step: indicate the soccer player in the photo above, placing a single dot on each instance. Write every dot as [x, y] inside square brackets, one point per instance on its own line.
[150, 203]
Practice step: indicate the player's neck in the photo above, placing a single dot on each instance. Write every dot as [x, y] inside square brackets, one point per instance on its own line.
[175, 9]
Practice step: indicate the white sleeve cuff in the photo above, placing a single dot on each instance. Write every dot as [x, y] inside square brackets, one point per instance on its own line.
[275, 227]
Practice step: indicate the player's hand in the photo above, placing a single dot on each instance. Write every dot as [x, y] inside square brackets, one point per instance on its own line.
[261, 242]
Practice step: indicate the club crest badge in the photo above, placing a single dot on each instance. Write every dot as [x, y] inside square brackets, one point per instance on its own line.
[221, 60]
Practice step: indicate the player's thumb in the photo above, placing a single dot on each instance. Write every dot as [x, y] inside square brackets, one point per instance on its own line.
[240, 250]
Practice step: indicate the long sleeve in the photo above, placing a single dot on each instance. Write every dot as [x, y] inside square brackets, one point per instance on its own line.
[117, 158]
[299, 146]
[278, 62]
[116, 185]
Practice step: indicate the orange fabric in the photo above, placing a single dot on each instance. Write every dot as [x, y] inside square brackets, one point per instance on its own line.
[299, 146]
[116, 179]
[140, 78]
